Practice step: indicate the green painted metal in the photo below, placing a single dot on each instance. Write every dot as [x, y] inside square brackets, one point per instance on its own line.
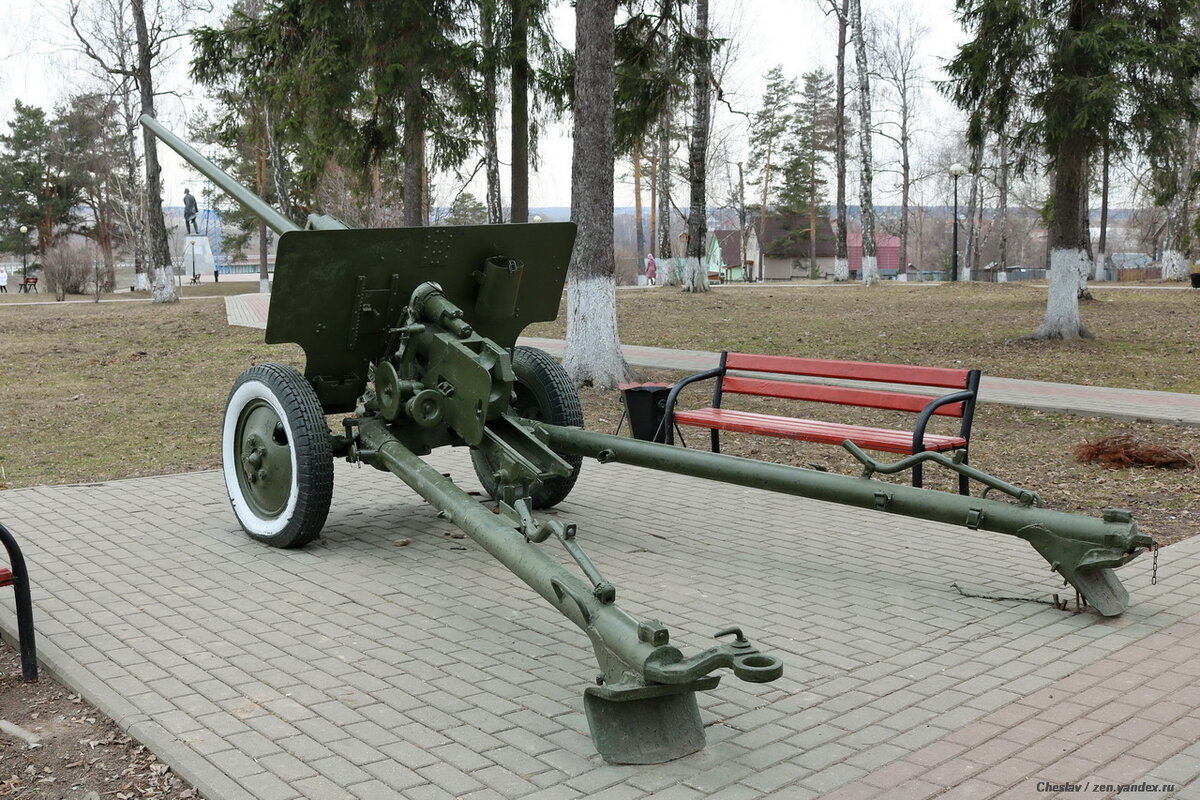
[264, 461]
[338, 294]
[1084, 550]
[643, 709]
[413, 330]
[253, 203]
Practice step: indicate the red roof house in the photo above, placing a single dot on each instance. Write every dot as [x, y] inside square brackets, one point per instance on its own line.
[887, 251]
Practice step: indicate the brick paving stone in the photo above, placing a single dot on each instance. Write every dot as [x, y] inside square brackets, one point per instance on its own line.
[883, 663]
[269, 786]
[286, 767]
[320, 786]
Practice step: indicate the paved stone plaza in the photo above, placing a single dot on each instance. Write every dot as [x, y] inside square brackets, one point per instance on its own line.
[364, 667]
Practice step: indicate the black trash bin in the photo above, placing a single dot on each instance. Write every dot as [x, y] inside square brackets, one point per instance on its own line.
[646, 406]
[1195, 276]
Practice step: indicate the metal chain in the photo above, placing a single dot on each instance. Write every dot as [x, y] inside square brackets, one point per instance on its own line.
[1154, 564]
[1061, 605]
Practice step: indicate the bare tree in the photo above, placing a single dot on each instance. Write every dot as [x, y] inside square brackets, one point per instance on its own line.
[127, 43]
[841, 262]
[897, 48]
[870, 269]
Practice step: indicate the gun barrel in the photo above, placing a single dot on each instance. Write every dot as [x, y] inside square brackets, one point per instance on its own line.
[255, 204]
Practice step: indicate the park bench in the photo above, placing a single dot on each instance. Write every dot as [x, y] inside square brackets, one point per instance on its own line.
[29, 283]
[741, 373]
[17, 576]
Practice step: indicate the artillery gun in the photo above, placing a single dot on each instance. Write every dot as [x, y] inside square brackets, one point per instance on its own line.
[412, 332]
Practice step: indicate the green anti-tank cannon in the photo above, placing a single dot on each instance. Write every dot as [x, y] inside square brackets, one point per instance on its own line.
[413, 333]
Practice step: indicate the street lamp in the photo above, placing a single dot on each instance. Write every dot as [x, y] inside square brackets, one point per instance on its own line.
[956, 171]
[24, 265]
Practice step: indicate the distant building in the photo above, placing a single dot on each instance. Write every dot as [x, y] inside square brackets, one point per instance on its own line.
[785, 248]
[730, 242]
[887, 253]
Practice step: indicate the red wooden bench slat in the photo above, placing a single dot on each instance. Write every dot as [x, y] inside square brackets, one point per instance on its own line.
[865, 398]
[6, 577]
[890, 441]
[850, 370]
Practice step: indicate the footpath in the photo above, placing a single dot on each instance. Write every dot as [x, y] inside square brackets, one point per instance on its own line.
[1172, 408]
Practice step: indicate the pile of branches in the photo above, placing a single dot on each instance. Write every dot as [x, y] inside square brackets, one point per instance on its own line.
[1123, 450]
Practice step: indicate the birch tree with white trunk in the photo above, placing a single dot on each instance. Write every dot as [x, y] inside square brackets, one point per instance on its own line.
[1180, 189]
[696, 276]
[592, 352]
[1097, 70]
[837, 215]
[128, 45]
[870, 268]
[897, 47]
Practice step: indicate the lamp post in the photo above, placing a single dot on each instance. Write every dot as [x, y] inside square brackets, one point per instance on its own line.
[24, 264]
[956, 171]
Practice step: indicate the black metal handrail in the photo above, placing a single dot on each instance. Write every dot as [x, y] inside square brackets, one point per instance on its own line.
[20, 583]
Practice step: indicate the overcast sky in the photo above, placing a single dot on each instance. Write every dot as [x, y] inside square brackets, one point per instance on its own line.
[39, 66]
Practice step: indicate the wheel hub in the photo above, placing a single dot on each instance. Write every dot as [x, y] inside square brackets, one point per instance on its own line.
[265, 458]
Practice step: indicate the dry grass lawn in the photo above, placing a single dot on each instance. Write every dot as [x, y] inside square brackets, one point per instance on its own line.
[1145, 338]
[92, 392]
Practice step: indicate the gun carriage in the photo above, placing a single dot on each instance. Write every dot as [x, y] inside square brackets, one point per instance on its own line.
[412, 333]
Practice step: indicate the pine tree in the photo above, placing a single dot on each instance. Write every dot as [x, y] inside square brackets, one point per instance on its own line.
[1098, 71]
[768, 131]
[362, 80]
[37, 187]
[809, 151]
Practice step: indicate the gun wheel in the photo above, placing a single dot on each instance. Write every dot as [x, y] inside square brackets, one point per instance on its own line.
[542, 391]
[276, 456]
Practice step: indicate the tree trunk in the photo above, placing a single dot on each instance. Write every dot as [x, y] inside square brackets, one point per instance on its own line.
[1085, 224]
[841, 260]
[905, 187]
[652, 179]
[870, 270]
[664, 188]
[1002, 202]
[762, 213]
[1102, 243]
[697, 275]
[102, 214]
[743, 229]
[973, 210]
[1174, 260]
[1066, 243]
[160, 254]
[491, 155]
[280, 170]
[264, 280]
[593, 349]
[414, 147]
[640, 230]
[520, 112]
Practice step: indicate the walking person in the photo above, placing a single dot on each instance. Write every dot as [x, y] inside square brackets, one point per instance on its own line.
[3, 281]
[651, 269]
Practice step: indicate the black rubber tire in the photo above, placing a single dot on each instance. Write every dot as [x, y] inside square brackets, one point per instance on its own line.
[544, 392]
[287, 501]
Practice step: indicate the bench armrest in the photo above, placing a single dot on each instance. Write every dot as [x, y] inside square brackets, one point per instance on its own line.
[964, 396]
[669, 416]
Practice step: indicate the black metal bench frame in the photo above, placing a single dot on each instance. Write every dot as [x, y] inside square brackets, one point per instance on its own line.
[17, 576]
